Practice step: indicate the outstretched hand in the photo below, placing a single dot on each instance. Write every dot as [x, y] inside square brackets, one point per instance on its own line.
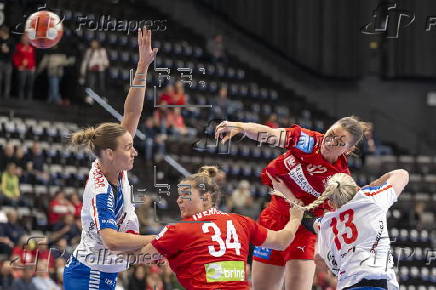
[226, 130]
[146, 53]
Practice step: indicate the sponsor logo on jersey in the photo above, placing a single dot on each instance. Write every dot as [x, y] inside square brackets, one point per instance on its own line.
[313, 169]
[378, 237]
[91, 226]
[109, 221]
[297, 175]
[332, 261]
[225, 271]
[352, 249]
[263, 253]
[110, 201]
[301, 248]
[305, 143]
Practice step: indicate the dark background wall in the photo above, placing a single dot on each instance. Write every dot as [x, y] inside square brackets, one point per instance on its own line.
[390, 77]
[325, 37]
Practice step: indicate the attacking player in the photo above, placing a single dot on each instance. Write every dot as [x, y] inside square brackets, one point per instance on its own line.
[209, 248]
[353, 239]
[311, 158]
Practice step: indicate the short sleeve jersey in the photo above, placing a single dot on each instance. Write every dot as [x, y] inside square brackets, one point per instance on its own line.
[354, 239]
[302, 167]
[104, 207]
[210, 250]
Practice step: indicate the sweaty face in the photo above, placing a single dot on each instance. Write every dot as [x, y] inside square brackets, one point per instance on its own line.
[189, 200]
[125, 153]
[337, 141]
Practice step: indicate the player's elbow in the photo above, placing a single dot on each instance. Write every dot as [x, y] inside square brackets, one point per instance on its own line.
[289, 239]
[109, 240]
[404, 174]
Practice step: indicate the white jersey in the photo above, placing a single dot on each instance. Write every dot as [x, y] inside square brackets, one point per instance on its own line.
[354, 240]
[102, 209]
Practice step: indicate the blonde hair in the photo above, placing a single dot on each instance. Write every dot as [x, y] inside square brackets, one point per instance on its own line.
[204, 181]
[96, 139]
[340, 189]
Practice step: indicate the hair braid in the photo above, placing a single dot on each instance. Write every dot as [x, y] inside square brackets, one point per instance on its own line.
[340, 189]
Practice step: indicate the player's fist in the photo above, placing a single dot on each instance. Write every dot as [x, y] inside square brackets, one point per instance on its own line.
[226, 130]
[296, 212]
[280, 186]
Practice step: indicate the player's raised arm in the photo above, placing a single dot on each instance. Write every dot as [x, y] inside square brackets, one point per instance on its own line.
[135, 98]
[398, 178]
[274, 136]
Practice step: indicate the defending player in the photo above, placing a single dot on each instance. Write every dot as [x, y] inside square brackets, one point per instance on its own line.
[209, 249]
[108, 217]
[353, 240]
[311, 158]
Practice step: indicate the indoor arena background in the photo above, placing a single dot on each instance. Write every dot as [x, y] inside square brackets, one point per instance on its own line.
[271, 62]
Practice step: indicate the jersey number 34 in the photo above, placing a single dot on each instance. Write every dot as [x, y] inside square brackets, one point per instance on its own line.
[347, 217]
[229, 244]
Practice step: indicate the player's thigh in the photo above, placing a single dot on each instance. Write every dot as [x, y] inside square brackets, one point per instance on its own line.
[266, 276]
[299, 274]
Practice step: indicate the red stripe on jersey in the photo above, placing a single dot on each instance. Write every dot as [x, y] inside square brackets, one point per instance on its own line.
[378, 191]
[95, 210]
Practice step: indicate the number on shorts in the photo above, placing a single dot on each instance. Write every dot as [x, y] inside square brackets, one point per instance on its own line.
[349, 224]
[232, 241]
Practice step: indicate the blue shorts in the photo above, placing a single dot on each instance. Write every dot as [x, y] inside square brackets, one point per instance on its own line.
[78, 276]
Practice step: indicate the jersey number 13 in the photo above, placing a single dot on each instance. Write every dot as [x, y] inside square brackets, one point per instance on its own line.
[347, 217]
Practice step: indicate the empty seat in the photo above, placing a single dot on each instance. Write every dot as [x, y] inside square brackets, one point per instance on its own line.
[26, 188]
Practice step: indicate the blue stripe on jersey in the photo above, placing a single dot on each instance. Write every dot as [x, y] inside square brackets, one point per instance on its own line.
[105, 210]
[374, 187]
[119, 203]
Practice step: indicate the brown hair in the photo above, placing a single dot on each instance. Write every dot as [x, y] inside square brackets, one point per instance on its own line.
[355, 127]
[204, 181]
[340, 189]
[102, 137]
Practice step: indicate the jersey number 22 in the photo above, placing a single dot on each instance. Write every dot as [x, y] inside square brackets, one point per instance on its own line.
[229, 244]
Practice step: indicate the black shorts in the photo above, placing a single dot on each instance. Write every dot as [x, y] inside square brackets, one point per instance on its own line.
[383, 284]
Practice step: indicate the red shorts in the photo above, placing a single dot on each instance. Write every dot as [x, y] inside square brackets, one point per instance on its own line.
[275, 217]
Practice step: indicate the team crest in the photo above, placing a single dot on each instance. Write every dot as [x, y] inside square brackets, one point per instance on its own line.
[290, 162]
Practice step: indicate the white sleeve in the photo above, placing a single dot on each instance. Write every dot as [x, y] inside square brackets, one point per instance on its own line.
[384, 196]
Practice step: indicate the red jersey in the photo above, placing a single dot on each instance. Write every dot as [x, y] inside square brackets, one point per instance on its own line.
[210, 250]
[302, 168]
